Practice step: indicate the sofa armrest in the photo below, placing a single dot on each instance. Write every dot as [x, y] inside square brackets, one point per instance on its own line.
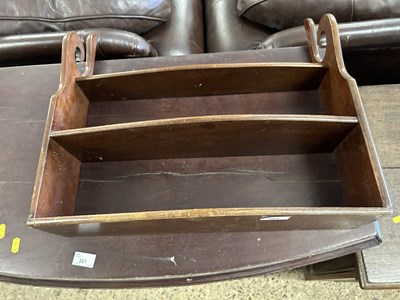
[372, 34]
[370, 48]
[39, 48]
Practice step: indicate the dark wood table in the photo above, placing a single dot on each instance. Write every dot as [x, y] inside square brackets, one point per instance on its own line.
[142, 259]
[380, 267]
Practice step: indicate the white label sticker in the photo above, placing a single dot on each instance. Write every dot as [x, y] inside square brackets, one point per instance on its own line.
[83, 259]
[275, 218]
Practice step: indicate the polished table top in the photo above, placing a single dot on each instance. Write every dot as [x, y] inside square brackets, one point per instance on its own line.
[137, 260]
[380, 267]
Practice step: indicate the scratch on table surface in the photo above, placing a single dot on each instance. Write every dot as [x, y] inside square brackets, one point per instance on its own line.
[173, 260]
[159, 194]
[169, 258]
[100, 181]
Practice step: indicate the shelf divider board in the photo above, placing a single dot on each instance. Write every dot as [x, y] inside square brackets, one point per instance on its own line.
[360, 189]
[58, 195]
[202, 80]
[210, 136]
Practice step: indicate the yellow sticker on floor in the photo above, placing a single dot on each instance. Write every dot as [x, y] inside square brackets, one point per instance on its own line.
[396, 219]
[2, 231]
[15, 245]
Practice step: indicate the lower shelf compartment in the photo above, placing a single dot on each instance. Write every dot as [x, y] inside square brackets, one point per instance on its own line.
[309, 180]
[307, 190]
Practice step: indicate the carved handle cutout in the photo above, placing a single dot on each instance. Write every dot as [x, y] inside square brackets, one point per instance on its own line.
[327, 37]
[73, 51]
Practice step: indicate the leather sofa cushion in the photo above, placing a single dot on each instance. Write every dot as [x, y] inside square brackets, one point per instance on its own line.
[226, 31]
[376, 9]
[283, 14]
[34, 16]
[183, 33]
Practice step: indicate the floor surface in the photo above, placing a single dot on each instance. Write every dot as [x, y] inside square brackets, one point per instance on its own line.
[284, 285]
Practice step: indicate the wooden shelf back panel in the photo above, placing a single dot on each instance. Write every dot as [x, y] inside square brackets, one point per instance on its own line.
[298, 180]
[202, 80]
[210, 136]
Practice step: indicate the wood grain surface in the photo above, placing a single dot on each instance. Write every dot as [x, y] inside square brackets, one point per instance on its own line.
[203, 80]
[208, 136]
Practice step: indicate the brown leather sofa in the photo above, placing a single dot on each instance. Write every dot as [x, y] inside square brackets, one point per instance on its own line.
[135, 28]
[31, 32]
[234, 25]
[370, 35]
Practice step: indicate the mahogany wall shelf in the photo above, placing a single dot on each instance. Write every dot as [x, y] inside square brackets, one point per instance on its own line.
[300, 127]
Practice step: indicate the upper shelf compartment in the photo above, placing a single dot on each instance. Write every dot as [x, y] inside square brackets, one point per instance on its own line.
[203, 80]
